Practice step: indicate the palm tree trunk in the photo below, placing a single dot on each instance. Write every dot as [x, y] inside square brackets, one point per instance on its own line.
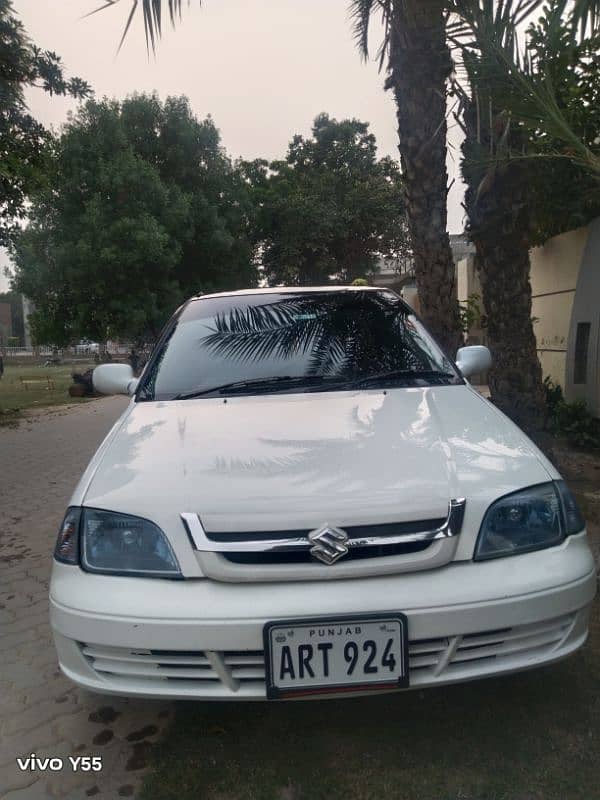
[515, 379]
[419, 66]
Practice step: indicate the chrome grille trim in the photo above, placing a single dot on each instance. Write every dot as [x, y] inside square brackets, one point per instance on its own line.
[451, 527]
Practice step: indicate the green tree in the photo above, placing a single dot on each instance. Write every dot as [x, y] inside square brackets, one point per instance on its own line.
[419, 64]
[25, 145]
[525, 183]
[331, 208]
[144, 209]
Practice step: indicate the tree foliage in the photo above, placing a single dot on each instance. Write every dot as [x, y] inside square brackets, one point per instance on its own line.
[521, 114]
[25, 145]
[330, 208]
[144, 209]
[512, 133]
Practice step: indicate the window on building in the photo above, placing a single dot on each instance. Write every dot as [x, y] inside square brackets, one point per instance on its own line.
[582, 340]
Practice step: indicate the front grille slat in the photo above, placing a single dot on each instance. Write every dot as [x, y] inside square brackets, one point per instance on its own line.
[145, 658]
[428, 646]
[248, 673]
[507, 648]
[353, 531]
[301, 557]
[151, 670]
[417, 662]
[251, 661]
[521, 632]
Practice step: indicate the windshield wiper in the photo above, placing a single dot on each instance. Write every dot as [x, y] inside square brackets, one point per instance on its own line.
[258, 385]
[402, 374]
[277, 381]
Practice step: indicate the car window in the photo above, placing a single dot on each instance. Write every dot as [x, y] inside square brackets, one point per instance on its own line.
[333, 336]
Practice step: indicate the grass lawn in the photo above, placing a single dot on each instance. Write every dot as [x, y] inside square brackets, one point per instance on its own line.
[15, 398]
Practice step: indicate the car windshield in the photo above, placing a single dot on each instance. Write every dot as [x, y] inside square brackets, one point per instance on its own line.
[303, 341]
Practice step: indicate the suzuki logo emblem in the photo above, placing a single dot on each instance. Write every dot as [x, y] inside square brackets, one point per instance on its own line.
[329, 544]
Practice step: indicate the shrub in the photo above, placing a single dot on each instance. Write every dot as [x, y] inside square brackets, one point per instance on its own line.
[571, 420]
[554, 394]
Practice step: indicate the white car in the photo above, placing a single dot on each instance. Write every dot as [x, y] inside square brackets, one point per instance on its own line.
[87, 347]
[305, 497]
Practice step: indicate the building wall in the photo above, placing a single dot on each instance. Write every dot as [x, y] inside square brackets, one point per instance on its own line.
[586, 313]
[5, 322]
[467, 284]
[565, 284]
[554, 273]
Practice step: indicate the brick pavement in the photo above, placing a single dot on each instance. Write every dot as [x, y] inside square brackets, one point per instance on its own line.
[41, 711]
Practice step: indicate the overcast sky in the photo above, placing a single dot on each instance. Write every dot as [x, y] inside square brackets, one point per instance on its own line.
[262, 68]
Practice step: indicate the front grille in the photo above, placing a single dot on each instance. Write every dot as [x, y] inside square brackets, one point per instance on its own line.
[231, 667]
[444, 657]
[229, 672]
[301, 551]
[306, 558]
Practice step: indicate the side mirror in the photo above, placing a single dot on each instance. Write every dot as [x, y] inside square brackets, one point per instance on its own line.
[474, 359]
[114, 379]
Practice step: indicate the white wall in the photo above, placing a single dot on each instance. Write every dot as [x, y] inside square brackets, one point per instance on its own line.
[565, 285]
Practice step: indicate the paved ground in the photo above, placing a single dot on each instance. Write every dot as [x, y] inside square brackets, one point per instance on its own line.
[40, 711]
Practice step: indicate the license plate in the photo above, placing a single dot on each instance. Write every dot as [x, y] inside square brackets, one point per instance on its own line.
[339, 654]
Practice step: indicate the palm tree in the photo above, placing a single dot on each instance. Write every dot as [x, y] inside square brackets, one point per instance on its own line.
[419, 65]
[514, 110]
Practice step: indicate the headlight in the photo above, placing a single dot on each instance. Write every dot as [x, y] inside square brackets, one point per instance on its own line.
[125, 545]
[531, 519]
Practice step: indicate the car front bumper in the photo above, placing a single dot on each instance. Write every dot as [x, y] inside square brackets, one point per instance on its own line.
[201, 639]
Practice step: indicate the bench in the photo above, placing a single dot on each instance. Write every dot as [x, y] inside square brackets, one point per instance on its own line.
[25, 382]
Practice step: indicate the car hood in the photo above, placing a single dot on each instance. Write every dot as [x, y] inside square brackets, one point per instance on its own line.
[285, 461]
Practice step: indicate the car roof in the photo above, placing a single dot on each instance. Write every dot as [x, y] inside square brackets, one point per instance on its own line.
[294, 290]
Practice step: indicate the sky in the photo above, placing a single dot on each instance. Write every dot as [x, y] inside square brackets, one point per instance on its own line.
[263, 69]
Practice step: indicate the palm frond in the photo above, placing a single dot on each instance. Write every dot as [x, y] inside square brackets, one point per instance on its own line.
[360, 12]
[152, 12]
[127, 25]
[334, 341]
[107, 4]
[586, 14]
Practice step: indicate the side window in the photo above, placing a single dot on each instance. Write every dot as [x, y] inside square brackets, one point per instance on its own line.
[582, 340]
